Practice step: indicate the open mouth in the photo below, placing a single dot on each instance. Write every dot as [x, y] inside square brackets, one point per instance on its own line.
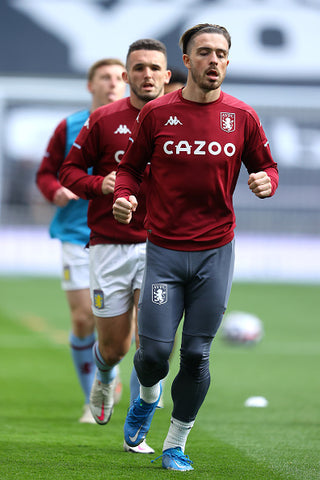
[147, 86]
[212, 73]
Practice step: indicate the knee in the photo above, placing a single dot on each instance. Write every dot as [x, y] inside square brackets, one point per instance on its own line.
[153, 351]
[82, 322]
[151, 361]
[195, 363]
[111, 353]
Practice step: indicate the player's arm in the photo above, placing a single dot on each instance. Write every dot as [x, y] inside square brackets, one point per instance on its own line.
[63, 196]
[47, 174]
[131, 172]
[263, 171]
[85, 153]
[127, 186]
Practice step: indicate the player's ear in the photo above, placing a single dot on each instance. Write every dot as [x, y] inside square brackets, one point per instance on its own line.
[89, 87]
[168, 76]
[125, 76]
[186, 60]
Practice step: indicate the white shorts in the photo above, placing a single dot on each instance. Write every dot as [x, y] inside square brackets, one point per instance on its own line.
[115, 272]
[75, 263]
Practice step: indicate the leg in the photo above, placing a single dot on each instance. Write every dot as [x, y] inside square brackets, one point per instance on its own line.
[114, 340]
[160, 310]
[192, 382]
[82, 320]
[112, 301]
[112, 276]
[114, 336]
[82, 337]
[207, 295]
[188, 391]
[134, 382]
[206, 301]
[75, 283]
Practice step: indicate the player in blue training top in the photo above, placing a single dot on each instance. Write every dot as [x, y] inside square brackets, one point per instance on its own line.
[69, 223]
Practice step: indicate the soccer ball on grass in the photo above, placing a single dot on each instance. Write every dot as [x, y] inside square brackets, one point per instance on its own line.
[242, 328]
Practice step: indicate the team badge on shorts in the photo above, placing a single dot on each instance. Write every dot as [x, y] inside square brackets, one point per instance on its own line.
[228, 121]
[98, 299]
[66, 273]
[159, 293]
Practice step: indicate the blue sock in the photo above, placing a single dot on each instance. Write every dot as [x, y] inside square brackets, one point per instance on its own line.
[134, 386]
[81, 351]
[105, 373]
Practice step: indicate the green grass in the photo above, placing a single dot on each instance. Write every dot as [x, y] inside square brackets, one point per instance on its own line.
[40, 399]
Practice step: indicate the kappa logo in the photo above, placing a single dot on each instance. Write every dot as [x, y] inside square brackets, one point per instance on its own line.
[228, 121]
[86, 123]
[122, 129]
[159, 293]
[173, 121]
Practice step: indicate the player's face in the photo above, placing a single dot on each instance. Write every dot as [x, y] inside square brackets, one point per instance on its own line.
[107, 84]
[208, 60]
[147, 74]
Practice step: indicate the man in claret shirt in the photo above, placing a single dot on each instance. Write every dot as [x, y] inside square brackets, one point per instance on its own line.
[195, 140]
[117, 253]
[69, 223]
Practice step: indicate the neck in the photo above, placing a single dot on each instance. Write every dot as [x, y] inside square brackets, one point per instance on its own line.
[137, 102]
[95, 105]
[196, 94]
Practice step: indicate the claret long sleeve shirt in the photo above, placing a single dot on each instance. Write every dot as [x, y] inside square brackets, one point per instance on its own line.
[100, 145]
[195, 151]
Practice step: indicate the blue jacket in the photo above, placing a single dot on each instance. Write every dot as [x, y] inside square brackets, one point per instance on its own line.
[69, 223]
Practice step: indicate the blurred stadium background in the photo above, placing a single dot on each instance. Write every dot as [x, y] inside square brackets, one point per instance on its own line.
[47, 48]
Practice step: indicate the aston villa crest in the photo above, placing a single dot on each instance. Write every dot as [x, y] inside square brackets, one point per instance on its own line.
[228, 121]
[98, 298]
[159, 293]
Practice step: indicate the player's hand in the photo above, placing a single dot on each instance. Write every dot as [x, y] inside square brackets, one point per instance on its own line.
[63, 196]
[123, 208]
[260, 184]
[108, 183]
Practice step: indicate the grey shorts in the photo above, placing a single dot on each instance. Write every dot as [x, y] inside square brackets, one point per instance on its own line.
[196, 284]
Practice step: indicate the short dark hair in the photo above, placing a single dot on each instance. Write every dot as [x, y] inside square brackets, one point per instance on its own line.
[147, 44]
[102, 63]
[202, 28]
[177, 76]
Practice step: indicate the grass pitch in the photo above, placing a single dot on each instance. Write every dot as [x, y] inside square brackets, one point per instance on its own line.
[40, 399]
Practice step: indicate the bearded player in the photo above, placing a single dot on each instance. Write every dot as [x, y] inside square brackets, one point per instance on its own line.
[195, 140]
[117, 253]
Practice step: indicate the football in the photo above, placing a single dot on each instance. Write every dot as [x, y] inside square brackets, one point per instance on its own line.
[242, 328]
